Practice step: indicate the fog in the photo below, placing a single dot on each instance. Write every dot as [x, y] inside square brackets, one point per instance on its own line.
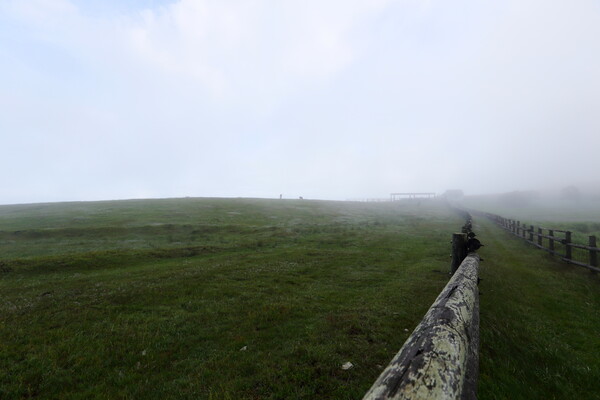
[320, 99]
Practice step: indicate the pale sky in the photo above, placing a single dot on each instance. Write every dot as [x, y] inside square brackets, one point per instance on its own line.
[322, 99]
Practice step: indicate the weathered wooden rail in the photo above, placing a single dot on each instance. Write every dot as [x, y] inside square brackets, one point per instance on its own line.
[440, 358]
[549, 241]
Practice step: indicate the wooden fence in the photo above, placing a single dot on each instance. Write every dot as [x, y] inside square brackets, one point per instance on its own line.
[555, 241]
[440, 358]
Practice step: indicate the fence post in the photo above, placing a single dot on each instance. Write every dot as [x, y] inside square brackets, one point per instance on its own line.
[459, 250]
[531, 233]
[593, 253]
[514, 226]
[568, 248]
[518, 228]
[551, 240]
[540, 237]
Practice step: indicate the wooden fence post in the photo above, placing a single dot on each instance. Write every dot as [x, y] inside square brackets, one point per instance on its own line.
[459, 250]
[527, 233]
[568, 248]
[593, 253]
[531, 233]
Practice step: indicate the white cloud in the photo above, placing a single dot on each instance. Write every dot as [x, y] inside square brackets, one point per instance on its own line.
[243, 49]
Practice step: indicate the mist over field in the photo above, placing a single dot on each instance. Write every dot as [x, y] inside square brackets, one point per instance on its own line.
[320, 99]
[202, 114]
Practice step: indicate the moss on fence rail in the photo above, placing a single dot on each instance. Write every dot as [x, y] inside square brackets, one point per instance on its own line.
[440, 358]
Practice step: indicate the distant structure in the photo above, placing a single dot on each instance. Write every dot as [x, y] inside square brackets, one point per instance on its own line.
[404, 196]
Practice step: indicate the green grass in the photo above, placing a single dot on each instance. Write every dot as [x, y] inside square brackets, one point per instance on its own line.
[156, 299]
[540, 320]
[582, 219]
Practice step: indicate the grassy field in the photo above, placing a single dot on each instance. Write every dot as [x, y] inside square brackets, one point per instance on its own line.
[539, 316]
[540, 320]
[260, 299]
[212, 298]
[582, 218]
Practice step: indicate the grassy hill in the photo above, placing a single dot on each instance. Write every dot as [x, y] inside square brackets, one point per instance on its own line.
[261, 299]
[212, 298]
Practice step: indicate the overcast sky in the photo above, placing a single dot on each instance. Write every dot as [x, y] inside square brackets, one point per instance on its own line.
[323, 99]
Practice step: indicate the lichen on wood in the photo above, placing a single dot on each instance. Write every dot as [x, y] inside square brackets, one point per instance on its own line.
[440, 358]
